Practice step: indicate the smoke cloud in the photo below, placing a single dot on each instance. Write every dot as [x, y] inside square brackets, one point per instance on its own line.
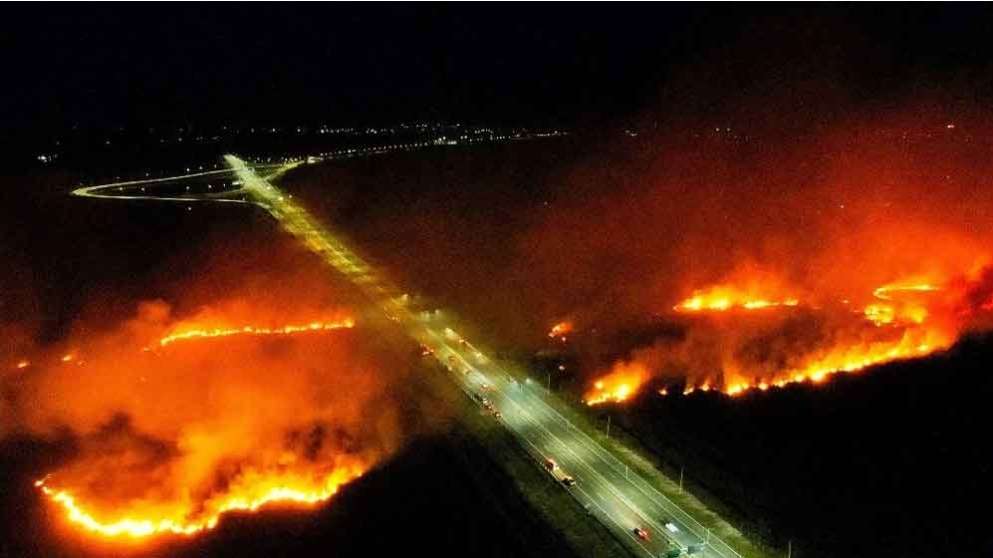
[805, 220]
[792, 240]
[270, 392]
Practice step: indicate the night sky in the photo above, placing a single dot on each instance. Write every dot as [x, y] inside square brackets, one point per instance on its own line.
[107, 66]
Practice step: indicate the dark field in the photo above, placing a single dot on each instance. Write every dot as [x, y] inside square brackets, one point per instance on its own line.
[890, 462]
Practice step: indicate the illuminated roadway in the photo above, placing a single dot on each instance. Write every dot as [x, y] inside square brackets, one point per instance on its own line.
[617, 497]
[135, 189]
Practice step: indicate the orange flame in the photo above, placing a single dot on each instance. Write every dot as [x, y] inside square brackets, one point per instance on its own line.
[285, 480]
[726, 297]
[621, 383]
[914, 318]
[251, 496]
[851, 358]
[182, 334]
[900, 304]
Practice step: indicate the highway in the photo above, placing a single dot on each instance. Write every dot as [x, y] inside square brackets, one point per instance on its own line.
[617, 497]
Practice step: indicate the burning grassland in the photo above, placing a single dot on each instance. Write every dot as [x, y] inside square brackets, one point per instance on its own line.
[175, 422]
[781, 260]
[735, 341]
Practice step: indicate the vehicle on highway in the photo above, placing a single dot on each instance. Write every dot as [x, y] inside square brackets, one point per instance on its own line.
[641, 533]
[557, 473]
[671, 527]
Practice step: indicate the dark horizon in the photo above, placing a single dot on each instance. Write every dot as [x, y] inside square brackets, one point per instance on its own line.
[110, 67]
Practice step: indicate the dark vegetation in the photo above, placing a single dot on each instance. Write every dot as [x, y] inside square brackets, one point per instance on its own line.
[889, 462]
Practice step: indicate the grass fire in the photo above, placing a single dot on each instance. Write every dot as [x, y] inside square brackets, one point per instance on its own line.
[820, 275]
[900, 320]
[177, 422]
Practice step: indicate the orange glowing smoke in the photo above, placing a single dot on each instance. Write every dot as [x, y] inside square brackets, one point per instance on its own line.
[170, 441]
[622, 382]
